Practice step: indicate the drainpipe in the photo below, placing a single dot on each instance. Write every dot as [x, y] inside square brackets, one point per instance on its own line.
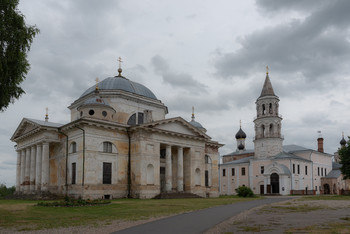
[66, 161]
[291, 174]
[83, 179]
[129, 164]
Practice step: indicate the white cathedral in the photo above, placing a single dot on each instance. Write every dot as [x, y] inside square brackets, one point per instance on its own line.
[273, 168]
[117, 144]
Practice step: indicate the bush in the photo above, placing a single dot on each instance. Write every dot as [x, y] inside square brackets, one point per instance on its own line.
[71, 202]
[243, 191]
[4, 191]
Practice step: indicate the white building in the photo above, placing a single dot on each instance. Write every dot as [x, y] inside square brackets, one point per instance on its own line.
[272, 168]
[118, 144]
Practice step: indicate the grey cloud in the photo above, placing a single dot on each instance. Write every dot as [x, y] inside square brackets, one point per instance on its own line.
[286, 5]
[177, 80]
[315, 48]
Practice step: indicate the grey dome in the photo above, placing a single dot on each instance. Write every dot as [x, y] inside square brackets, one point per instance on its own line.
[121, 83]
[95, 101]
[195, 124]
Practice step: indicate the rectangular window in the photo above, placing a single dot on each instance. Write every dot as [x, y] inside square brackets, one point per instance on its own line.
[107, 173]
[293, 168]
[305, 170]
[325, 171]
[223, 172]
[298, 169]
[206, 178]
[233, 172]
[74, 172]
[318, 171]
[316, 188]
[243, 171]
[162, 153]
[262, 169]
[322, 171]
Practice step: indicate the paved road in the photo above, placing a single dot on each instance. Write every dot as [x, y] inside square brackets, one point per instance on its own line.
[198, 221]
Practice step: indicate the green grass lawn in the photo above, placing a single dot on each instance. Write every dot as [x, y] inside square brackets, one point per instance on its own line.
[24, 215]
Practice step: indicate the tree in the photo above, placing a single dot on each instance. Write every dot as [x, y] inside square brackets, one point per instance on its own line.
[344, 155]
[15, 40]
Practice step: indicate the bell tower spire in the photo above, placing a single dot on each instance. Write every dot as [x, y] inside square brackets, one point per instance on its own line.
[268, 139]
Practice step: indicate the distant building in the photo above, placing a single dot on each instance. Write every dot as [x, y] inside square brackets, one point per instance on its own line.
[333, 182]
[118, 144]
[272, 168]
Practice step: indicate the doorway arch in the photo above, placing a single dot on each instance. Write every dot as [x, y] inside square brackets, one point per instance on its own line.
[275, 183]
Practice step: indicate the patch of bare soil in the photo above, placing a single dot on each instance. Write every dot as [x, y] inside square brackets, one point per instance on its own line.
[293, 216]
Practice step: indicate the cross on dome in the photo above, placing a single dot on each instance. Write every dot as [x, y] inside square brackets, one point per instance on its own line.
[120, 66]
[97, 80]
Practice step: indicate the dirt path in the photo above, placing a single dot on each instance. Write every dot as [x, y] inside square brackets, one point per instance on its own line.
[296, 216]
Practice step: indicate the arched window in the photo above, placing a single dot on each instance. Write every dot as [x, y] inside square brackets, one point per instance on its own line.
[107, 147]
[263, 109]
[150, 174]
[270, 108]
[198, 176]
[73, 147]
[134, 121]
[263, 130]
[271, 130]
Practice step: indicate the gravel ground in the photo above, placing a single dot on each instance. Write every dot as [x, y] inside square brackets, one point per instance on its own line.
[283, 217]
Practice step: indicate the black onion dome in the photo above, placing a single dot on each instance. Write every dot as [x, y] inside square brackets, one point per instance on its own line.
[241, 147]
[240, 134]
[342, 141]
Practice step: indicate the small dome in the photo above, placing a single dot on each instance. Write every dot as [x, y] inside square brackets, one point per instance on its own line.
[195, 124]
[241, 147]
[240, 134]
[342, 141]
[121, 83]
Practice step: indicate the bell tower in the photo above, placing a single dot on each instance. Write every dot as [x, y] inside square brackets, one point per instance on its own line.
[268, 139]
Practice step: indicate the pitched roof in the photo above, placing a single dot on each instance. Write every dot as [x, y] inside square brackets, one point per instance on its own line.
[238, 161]
[335, 173]
[285, 155]
[267, 88]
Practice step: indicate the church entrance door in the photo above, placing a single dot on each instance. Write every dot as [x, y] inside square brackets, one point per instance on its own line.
[162, 179]
[326, 189]
[261, 189]
[275, 183]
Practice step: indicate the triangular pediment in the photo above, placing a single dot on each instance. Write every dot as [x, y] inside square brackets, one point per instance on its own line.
[176, 125]
[24, 127]
[32, 125]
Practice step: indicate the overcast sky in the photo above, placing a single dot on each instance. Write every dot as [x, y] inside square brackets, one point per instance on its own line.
[207, 54]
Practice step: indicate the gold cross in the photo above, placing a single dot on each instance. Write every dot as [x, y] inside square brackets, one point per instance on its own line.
[267, 69]
[120, 62]
[96, 83]
[47, 111]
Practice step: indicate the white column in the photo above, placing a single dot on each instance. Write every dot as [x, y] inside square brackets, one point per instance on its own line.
[45, 172]
[27, 172]
[32, 168]
[38, 168]
[209, 175]
[23, 168]
[168, 170]
[18, 171]
[180, 170]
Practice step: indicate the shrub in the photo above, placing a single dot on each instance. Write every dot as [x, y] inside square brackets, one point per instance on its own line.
[243, 191]
[71, 202]
[4, 191]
